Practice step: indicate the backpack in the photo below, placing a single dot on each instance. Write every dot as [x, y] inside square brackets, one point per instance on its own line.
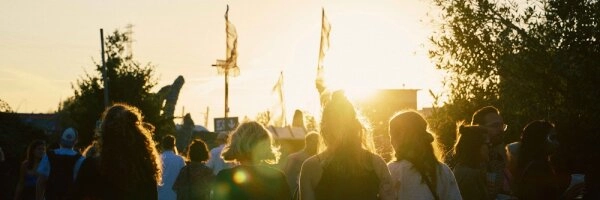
[60, 179]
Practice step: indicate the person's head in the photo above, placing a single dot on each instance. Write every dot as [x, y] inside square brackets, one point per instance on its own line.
[489, 117]
[35, 151]
[471, 148]
[298, 119]
[311, 142]
[68, 138]
[251, 143]
[126, 146]
[535, 143]
[412, 142]
[409, 136]
[168, 143]
[198, 151]
[222, 138]
[342, 129]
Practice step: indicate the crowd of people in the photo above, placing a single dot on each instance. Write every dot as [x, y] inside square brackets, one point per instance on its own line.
[339, 162]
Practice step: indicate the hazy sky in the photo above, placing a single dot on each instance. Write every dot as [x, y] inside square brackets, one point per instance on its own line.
[47, 45]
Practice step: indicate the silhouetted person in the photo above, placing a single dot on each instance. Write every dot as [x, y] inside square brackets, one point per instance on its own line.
[128, 165]
[195, 179]
[489, 118]
[347, 168]
[172, 164]
[416, 172]
[251, 146]
[471, 154]
[58, 168]
[298, 120]
[216, 162]
[295, 160]
[28, 175]
[535, 178]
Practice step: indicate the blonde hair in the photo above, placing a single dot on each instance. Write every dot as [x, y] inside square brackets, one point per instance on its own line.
[251, 142]
[346, 136]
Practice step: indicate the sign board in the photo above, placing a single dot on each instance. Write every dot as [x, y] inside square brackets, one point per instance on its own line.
[225, 124]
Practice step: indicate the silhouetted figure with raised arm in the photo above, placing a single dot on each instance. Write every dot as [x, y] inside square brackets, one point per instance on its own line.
[127, 165]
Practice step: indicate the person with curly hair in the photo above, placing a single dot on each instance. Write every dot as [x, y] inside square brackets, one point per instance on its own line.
[127, 164]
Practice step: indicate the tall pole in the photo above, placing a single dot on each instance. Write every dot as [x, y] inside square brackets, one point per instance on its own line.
[104, 73]
[226, 93]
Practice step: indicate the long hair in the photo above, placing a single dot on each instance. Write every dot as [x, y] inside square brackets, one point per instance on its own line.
[412, 142]
[31, 159]
[467, 150]
[128, 155]
[534, 142]
[251, 142]
[346, 138]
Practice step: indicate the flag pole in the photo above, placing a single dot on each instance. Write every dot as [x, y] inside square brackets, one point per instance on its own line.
[104, 71]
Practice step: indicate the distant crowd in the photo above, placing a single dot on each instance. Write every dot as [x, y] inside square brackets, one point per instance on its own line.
[338, 162]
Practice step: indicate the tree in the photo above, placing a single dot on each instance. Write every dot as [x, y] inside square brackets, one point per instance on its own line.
[533, 60]
[128, 82]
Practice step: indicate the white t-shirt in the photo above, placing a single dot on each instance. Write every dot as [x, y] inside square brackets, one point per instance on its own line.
[216, 163]
[407, 182]
[172, 164]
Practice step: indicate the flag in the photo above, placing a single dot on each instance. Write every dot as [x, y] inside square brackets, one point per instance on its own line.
[324, 46]
[279, 118]
[230, 63]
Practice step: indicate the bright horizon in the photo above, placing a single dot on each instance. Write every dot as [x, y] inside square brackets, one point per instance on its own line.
[46, 46]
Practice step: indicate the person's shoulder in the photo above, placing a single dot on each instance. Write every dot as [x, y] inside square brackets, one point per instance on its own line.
[401, 164]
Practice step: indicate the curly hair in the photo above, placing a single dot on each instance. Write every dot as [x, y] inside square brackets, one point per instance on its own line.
[127, 153]
[251, 142]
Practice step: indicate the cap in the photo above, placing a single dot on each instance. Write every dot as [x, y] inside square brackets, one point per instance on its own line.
[68, 138]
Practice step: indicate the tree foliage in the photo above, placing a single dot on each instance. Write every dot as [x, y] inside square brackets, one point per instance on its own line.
[532, 60]
[128, 82]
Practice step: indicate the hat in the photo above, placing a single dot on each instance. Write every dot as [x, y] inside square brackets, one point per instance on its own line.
[68, 138]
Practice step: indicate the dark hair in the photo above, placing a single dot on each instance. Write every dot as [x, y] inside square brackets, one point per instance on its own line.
[126, 147]
[479, 115]
[168, 142]
[311, 142]
[31, 150]
[412, 142]
[198, 151]
[533, 142]
[468, 145]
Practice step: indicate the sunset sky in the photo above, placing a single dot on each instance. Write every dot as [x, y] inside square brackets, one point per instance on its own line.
[47, 45]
